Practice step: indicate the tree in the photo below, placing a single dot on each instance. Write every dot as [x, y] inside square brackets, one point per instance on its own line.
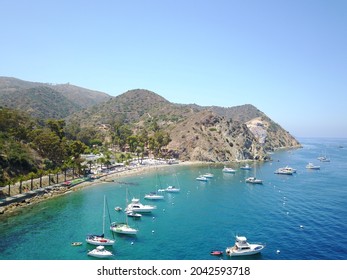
[57, 126]
[49, 146]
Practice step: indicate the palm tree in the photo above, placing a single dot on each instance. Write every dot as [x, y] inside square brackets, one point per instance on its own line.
[21, 178]
[31, 175]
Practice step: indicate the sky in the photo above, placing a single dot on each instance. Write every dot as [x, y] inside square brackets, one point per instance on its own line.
[287, 58]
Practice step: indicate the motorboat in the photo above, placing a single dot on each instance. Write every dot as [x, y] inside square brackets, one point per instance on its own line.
[324, 159]
[246, 167]
[123, 228]
[290, 169]
[118, 208]
[137, 207]
[254, 180]
[133, 214]
[76, 243]
[100, 239]
[284, 171]
[100, 252]
[312, 166]
[228, 170]
[243, 248]
[208, 175]
[172, 189]
[154, 196]
[202, 178]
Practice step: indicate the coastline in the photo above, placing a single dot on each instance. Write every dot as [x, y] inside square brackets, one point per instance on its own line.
[31, 198]
[51, 192]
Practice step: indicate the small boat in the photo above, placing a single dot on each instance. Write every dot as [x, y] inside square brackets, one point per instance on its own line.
[284, 171]
[290, 169]
[133, 214]
[243, 248]
[246, 167]
[202, 178]
[228, 170]
[154, 196]
[123, 228]
[216, 253]
[254, 180]
[172, 189]
[312, 166]
[324, 159]
[208, 175]
[100, 252]
[136, 206]
[76, 243]
[118, 208]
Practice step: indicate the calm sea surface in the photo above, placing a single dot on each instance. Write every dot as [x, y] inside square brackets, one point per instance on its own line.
[298, 217]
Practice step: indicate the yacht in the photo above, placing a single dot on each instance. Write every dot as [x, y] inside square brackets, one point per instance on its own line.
[154, 196]
[228, 170]
[172, 189]
[312, 166]
[202, 178]
[254, 180]
[208, 175]
[137, 207]
[123, 228]
[243, 248]
[246, 167]
[100, 252]
[284, 171]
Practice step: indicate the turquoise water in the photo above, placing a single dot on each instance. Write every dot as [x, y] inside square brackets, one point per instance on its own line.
[304, 216]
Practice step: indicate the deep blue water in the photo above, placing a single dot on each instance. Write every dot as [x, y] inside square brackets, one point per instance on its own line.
[304, 216]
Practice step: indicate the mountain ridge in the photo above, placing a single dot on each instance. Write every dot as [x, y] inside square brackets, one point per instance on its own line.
[209, 133]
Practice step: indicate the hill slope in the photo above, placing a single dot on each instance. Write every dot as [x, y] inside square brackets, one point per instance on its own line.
[42, 100]
[197, 133]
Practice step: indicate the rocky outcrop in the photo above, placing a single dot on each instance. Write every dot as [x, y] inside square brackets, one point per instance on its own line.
[208, 137]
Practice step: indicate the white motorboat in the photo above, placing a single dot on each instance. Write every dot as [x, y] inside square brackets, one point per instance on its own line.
[172, 189]
[254, 180]
[136, 206]
[228, 170]
[324, 159]
[123, 228]
[100, 239]
[243, 248]
[312, 166]
[284, 171]
[246, 167]
[133, 214]
[202, 178]
[208, 175]
[154, 196]
[290, 169]
[100, 252]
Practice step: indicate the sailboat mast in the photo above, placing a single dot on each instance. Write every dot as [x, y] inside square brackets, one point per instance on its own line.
[104, 216]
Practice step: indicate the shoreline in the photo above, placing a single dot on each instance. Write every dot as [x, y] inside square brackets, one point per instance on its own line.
[51, 192]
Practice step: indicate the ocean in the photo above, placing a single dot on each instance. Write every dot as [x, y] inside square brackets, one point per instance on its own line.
[299, 217]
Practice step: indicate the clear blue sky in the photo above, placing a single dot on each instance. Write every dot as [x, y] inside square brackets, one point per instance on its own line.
[288, 58]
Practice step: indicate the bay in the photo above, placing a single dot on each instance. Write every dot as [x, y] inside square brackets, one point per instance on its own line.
[298, 217]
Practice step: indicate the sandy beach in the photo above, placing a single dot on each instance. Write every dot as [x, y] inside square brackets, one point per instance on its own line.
[31, 198]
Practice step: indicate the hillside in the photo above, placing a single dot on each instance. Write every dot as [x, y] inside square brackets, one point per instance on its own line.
[197, 133]
[43, 100]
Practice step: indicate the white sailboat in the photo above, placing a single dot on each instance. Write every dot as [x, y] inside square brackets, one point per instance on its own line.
[121, 227]
[100, 239]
